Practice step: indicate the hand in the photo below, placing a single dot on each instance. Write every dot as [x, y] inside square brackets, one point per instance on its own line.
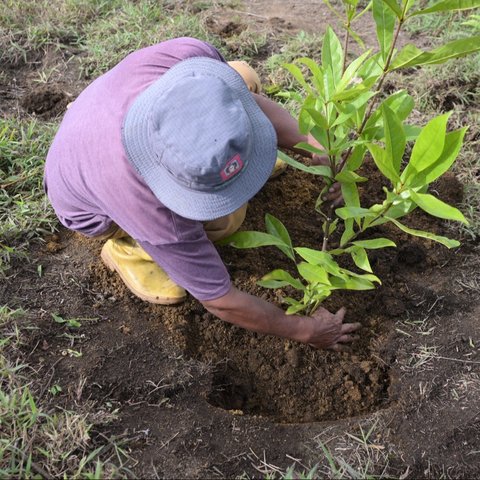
[330, 332]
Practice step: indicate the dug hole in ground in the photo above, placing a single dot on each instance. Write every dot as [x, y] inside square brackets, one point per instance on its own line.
[206, 399]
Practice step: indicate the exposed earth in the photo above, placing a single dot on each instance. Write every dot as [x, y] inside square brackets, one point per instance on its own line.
[205, 399]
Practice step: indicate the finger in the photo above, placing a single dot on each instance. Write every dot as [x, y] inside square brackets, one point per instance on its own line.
[338, 201]
[347, 338]
[340, 313]
[340, 348]
[320, 160]
[335, 188]
[350, 327]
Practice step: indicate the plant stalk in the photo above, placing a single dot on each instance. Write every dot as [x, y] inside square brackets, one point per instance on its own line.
[374, 98]
[345, 47]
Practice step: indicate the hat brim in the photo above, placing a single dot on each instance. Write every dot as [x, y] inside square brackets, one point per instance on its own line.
[137, 134]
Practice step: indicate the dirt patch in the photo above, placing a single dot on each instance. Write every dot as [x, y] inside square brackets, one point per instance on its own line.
[46, 101]
[201, 389]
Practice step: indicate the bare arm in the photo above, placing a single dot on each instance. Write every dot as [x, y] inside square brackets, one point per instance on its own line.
[323, 330]
[285, 125]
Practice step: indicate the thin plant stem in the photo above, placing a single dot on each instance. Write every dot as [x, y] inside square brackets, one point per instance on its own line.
[345, 47]
[374, 98]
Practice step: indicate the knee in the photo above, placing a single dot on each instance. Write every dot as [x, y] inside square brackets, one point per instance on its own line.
[249, 75]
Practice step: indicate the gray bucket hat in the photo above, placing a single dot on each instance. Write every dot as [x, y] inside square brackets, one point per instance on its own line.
[199, 140]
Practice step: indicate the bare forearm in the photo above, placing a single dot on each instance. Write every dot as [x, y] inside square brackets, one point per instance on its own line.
[255, 314]
[288, 134]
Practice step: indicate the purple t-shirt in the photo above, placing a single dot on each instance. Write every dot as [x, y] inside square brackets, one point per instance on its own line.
[91, 183]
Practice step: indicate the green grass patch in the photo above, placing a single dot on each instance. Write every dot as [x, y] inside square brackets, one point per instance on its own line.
[28, 27]
[25, 214]
[133, 26]
[38, 439]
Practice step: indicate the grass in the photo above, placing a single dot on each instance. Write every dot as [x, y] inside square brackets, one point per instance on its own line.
[354, 454]
[27, 28]
[38, 438]
[135, 25]
[25, 214]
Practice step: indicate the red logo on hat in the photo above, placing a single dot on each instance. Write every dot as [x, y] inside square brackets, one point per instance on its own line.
[232, 167]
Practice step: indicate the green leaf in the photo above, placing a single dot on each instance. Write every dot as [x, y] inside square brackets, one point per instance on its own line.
[295, 96]
[357, 38]
[400, 209]
[295, 308]
[313, 273]
[384, 162]
[367, 276]
[347, 176]
[455, 49]
[374, 243]
[360, 257]
[317, 257]
[272, 283]
[372, 68]
[251, 239]
[351, 197]
[353, 283]
[411, 56]
[353, 212]
[318, 117]
[411, 132]
[282, 278]
[310, 148]
[356, 158]
[401, 103]
[320, 135]
[305, 122]
[322, 170]
[448, 5]
[406, 57]
[297, 73]
[276, 228]
[395, 140]
[58, 318]
[348, 233]
[317, 73]
[449, 243]
[332, 61]
[408, 4]
[451, 148]
[350, 93]
[436, 207]
[351, 70]
[385, 22]
[394, 7]
[428, 147]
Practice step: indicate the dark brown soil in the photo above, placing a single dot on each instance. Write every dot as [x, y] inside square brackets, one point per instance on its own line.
[205, 399]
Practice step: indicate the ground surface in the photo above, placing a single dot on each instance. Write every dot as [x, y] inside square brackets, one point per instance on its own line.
[205, 399]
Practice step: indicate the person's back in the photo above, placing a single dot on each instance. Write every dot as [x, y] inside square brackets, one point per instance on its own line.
[88, 178]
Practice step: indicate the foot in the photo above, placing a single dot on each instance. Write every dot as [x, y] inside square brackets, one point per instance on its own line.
[140, 273]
